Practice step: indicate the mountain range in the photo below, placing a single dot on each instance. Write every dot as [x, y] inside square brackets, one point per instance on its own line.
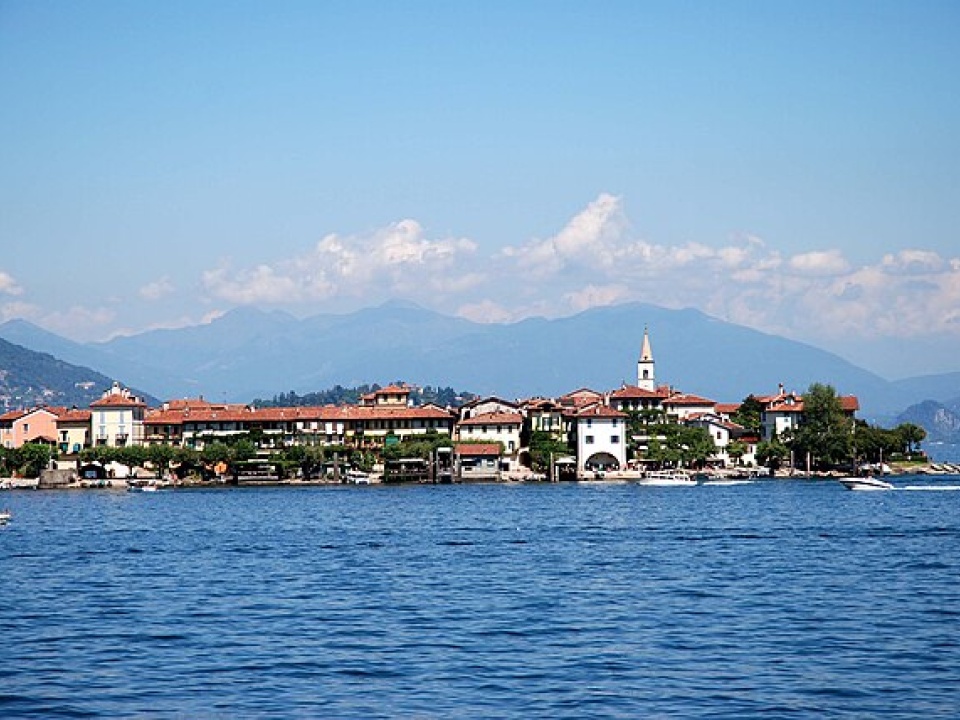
[250, 353]
[29, 378]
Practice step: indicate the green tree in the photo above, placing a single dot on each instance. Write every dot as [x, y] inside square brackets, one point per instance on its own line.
[825, 432]
[32, 458]
[132, 456]
[696, 445]
[678, 445]
[160, 456]
[912, 435]
[748, 414]
[543, 446]
[214, 454]
[772, 453]
[736, 449]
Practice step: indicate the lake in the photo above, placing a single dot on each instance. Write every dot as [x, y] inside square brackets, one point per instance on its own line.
[781, 599]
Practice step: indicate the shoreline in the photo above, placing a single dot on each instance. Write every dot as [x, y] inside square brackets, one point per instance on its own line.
[931, 470]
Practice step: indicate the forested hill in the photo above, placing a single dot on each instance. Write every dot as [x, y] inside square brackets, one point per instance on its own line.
[339, 395]
[29, 378]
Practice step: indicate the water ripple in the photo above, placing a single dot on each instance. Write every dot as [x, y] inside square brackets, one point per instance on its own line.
[778, 600]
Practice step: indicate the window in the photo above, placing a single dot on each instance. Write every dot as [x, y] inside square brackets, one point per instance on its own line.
[614, 439]
[588, 439]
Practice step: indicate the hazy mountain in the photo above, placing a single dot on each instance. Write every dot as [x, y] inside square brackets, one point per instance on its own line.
[941, 421]
[135, 371]
[249, 353]
[29, 378]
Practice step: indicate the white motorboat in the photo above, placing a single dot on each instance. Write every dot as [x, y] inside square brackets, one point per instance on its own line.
[5, 516]
[868, 482]
[358, 477]
[664, 478]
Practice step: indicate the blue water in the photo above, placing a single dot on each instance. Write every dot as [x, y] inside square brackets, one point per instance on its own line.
[784, 599]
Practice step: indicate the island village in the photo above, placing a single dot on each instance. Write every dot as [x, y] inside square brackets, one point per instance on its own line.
[647, 432]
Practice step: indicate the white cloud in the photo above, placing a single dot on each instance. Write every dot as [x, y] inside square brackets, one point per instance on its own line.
[8, 285]
[590, 239]
[27, 311]
[596, 296]
[398, 260]
[487, 312]
[913, 261]
[817, 295]
[819, 262]
[79, 321]
[157, 289]
[595, 260]
[262, 284]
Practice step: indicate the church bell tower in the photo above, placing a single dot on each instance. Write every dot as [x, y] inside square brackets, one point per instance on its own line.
[645, 377]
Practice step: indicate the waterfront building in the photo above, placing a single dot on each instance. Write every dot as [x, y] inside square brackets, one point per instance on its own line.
[73, 431]
[601, 438]
[478, 461]
[680, 406]
[196, 423]
[498, 427]
[545, 415]
[487, 405]
[722, 431]
[783, 412]
[117, 418]
[36, 425]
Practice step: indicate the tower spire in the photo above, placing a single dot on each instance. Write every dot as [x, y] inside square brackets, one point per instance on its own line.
[645, 376]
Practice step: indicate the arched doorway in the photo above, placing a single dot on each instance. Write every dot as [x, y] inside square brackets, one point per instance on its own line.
[601, 461]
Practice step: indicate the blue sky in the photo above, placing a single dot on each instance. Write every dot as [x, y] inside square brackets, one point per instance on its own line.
[790, 166]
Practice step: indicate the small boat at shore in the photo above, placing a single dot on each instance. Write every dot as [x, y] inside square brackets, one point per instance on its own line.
[357, 477]
[867, 482]
[666, 478]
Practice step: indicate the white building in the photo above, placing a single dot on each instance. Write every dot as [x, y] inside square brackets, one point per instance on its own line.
[601, 438]
[493, 427]
[681, 406]
[723, 432]
[116, 419]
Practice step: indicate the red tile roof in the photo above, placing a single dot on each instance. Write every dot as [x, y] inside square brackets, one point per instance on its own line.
[578, 398]
[848, 403]
[323, 413]
[727, 408]
[600, 411]
[115, 400]
[74, 415]
[478, 449]
[494, 418]
[686, 399]
[632, 392]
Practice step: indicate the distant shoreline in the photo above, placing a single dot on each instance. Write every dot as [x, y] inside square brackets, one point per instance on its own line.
[932, 470]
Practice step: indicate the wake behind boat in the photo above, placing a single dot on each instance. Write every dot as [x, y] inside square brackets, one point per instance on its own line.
[865, 483]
